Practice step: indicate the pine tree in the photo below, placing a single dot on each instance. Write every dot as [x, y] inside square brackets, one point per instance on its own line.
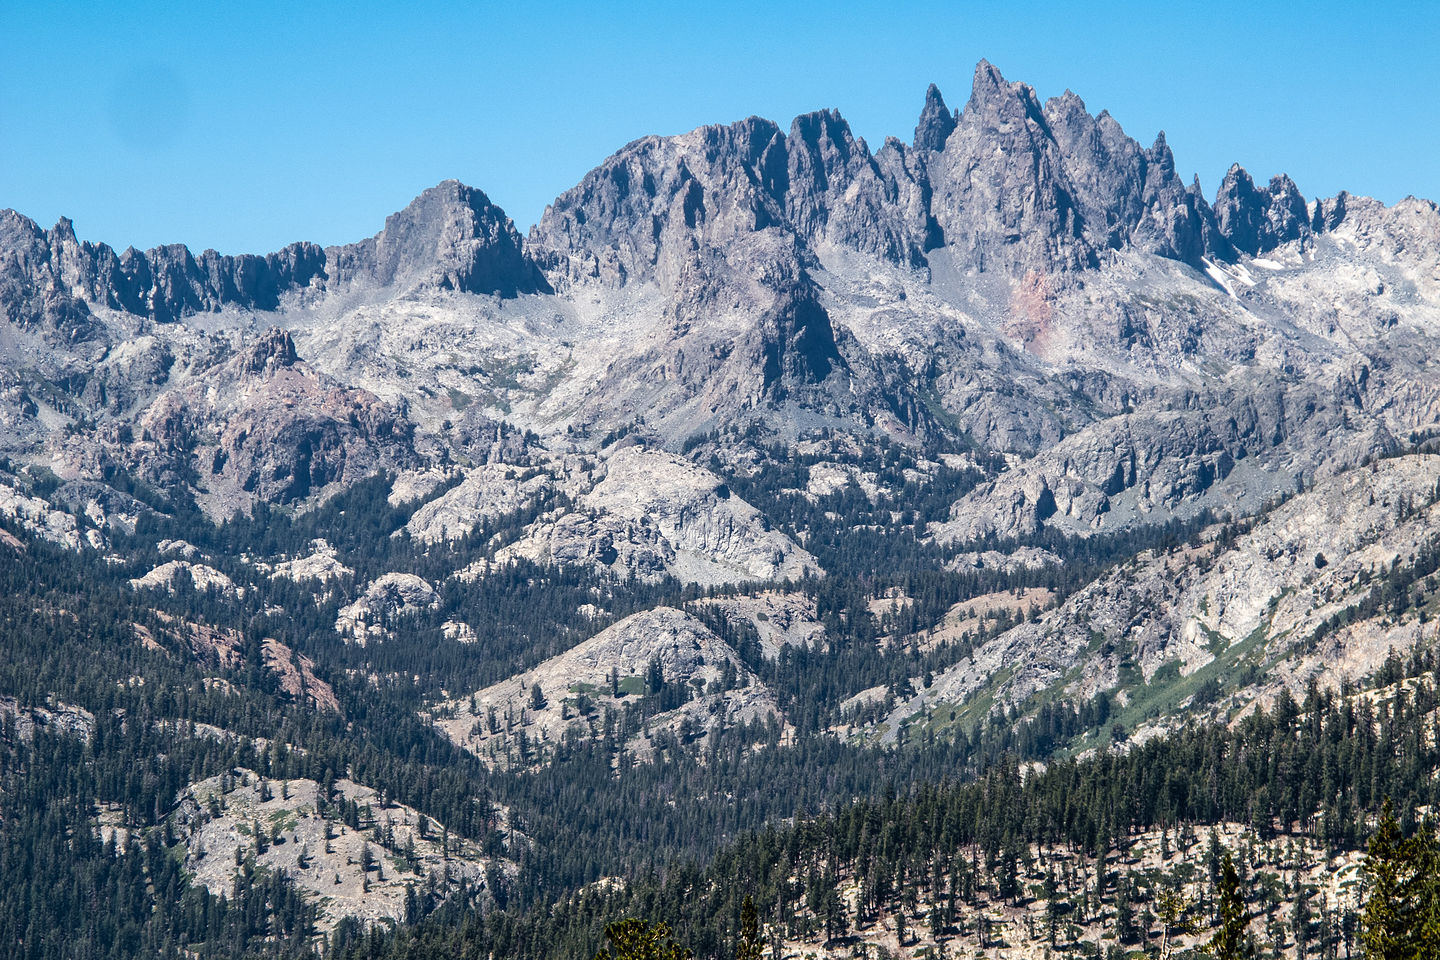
[632, 939]
[1229, 941]
[751, 945]
[1387, 921]
[1300, 919]
[1401, 920]
[1171, 908]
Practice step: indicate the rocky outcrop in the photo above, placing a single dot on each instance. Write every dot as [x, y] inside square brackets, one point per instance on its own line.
[606, 544]
[264, 425]
[519, 720]
[202, 578]
[656, 513]
[225, 649]
[384, 602]
[1025, 558]
[56, 718]
[936, 122]
[779, 619]
[273, 350]
[295, 675]
[40, 517]
[322, 564]
[344, 871]
[487, 492]
[1256, 220]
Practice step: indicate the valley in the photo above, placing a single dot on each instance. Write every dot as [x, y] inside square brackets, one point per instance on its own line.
[774, 502]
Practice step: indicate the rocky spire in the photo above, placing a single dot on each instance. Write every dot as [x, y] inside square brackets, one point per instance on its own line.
[1289, 215]
[1329, 213]
[1000, 194]
[1257, 219]
[272, 350]
[936, 122]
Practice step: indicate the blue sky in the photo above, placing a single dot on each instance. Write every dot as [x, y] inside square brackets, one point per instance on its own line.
[250, 125]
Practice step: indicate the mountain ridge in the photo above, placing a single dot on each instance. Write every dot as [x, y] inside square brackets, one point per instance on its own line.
[1123, 194]
[767, 471]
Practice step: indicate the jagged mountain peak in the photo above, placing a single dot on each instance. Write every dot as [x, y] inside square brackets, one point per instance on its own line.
[1258, 219]
[1329, 213]
[64, 228]
[450, 236]
[1007, 184]
[987, 76]
[994, 97]
[936, 122]
[1237, 176]
[828, 124]
[1001, 198]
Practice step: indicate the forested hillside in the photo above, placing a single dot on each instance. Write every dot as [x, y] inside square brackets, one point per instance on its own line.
[985, 545]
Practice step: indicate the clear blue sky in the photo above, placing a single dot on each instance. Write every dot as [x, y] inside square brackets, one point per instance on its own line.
[243, 126]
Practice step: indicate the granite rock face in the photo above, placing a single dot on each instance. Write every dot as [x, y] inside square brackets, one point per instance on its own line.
[451, 237]
[487, 492]
[655, 513]
[1255, 219]
[649, 652]
[384, 602]
[1176, 463]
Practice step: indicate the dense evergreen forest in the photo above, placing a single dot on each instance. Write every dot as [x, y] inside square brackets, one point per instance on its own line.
[1320, 771]
[103, 729]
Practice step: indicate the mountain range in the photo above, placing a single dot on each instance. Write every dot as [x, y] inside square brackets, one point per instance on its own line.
[756, 430]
